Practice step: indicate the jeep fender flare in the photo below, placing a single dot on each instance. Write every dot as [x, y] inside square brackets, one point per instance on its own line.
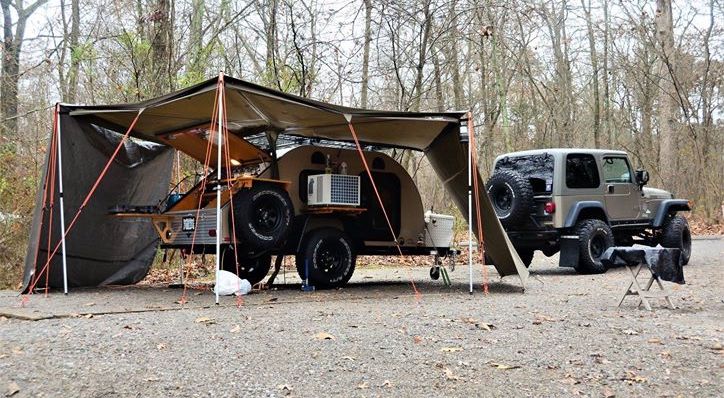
[576, 210]
[667, 206]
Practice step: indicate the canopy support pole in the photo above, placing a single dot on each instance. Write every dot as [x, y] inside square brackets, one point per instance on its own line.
[470, 211]
[218, 185]
[62, 206]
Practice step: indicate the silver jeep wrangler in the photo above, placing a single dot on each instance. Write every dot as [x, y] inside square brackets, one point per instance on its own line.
[580, 202]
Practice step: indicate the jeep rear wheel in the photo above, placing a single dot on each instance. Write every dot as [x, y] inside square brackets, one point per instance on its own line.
[594, 237]
[676, 234]
[512, 197]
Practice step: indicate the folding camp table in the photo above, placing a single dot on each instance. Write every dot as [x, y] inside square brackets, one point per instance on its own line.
[661, 263]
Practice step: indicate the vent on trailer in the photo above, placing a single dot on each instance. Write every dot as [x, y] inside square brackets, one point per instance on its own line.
[333, 189]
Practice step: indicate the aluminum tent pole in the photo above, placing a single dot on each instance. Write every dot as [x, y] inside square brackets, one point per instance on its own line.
[218, 186]
[470, 209]
[62, 206]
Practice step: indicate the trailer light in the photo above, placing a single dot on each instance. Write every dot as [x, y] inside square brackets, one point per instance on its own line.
[212, 233]
[550, 207]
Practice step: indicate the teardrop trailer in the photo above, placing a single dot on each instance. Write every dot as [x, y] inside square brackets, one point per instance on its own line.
[268, 216]
[334, 195]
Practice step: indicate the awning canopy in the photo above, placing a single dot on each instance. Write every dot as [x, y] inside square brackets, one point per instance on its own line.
[252, 108]
[104, 251]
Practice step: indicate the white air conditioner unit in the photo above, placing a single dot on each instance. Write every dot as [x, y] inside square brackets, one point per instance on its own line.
[333, 189]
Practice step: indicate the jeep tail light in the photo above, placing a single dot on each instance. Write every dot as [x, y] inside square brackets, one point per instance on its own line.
[550, 207]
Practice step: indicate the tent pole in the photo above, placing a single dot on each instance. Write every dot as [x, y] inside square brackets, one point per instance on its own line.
[218, 186]
[470, 210]
[62, 206]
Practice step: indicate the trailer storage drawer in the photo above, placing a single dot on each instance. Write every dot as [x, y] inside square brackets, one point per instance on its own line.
[438, 229]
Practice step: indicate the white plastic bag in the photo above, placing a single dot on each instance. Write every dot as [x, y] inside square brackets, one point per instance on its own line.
[228, 283]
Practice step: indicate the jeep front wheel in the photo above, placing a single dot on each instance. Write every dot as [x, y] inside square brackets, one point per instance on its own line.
[676, 234]
[594, 237]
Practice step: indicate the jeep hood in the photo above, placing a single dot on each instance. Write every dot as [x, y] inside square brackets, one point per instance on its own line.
[656, 193]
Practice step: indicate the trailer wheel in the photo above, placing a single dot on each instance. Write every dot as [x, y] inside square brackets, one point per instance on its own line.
[262, 216]
[328, 255]
[252, 269]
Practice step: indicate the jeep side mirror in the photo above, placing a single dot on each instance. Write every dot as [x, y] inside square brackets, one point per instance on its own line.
[642, 177]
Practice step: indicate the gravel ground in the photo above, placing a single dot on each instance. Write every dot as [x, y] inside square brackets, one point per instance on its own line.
[564, 336]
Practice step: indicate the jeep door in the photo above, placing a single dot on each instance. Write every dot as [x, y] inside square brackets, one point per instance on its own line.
[622, 195]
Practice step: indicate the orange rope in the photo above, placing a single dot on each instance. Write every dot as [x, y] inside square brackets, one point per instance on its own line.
[478, 218]
[225, 130]
[382, 206]
[53, 167]
[207, 159]
[46, 184]
[90, 194]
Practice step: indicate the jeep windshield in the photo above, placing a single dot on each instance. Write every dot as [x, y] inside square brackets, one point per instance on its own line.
[538, 169]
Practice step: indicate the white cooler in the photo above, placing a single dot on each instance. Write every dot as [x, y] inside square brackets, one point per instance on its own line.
[439, 229]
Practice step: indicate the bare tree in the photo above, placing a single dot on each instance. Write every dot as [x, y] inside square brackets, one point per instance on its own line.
[12, 47]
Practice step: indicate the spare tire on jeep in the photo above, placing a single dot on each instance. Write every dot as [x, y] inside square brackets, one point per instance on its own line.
[512, 197]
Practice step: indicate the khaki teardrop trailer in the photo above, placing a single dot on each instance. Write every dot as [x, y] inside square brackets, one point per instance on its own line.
[321, 208]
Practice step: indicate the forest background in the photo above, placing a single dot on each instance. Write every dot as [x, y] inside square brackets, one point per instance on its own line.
[645, 76]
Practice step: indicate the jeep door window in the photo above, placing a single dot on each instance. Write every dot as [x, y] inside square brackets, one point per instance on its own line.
[581, 171]
[616, 170]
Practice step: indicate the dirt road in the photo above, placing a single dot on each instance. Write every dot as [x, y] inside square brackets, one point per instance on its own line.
[563, 337]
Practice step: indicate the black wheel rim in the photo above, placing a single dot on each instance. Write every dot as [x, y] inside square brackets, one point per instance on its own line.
[267, 216]
[331, 256]
[503, 199]
[598, 246]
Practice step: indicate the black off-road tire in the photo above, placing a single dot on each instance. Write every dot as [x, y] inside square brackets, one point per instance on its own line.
[253, 269]
[676, 234]
[262, 216]
[330, 256]
[512, 197]
[594, 237]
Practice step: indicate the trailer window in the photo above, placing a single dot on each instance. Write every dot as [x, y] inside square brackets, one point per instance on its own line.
[581, 171]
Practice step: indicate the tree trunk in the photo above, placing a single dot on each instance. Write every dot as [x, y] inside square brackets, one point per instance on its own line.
[594, 66]
[75, 51]
[12, 46]
[667, 109]
[422, 55]
[366, 54]
[161, 47]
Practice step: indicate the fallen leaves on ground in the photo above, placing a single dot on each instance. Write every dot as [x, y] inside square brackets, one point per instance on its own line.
[363, 385]
[479, 324]
[324, 336]
[12, 389]
[206, 320]
[235, 329]
[631, 377]
[450, 375]
[503, 366]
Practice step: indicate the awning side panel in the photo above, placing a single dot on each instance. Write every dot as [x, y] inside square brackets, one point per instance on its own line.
[448, 157]
[101, 249]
